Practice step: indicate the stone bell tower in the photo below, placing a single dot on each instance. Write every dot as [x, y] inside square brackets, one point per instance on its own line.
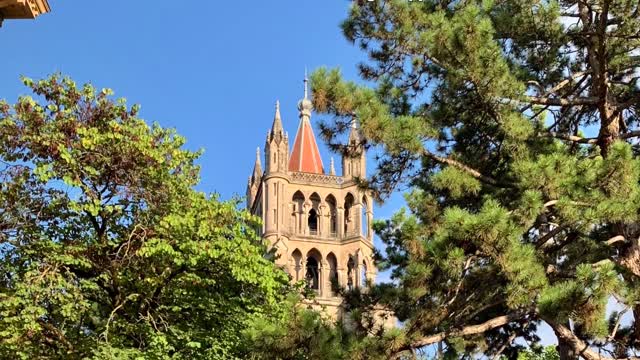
[318, 222]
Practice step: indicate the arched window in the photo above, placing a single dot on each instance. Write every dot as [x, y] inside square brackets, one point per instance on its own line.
[351, 273]
[298, 203]
[364, 218]
[348, 221]
[333, 215]
[313, 276]
[333, 273]
[363, 275]
[312, 222]
[313, 219]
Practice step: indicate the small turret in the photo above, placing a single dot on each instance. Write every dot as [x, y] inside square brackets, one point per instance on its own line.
[354, 160]
[254, 180]
[276, 146]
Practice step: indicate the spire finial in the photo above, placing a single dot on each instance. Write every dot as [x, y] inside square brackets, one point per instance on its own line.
[257, 168]
[276, 128]
[306, 81]
[305, 106]
[332, 168]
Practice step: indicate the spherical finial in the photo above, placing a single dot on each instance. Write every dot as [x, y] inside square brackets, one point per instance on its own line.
[305, 106]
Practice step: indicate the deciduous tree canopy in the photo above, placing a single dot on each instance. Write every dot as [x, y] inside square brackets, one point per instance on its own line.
[106, 250]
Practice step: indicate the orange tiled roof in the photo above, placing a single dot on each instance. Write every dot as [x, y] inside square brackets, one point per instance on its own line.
[305, 156]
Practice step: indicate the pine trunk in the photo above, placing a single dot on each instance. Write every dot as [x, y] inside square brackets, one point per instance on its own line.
[565, 349]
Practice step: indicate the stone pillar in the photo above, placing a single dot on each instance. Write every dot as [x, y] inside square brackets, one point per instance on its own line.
[327, 222]
[357, 218]
[303, 219]
[299, 271]
[323, 276]
[321, 222]
[357, 274]
[342, 276]
[340, 223]
[370, 225]
[303, 268]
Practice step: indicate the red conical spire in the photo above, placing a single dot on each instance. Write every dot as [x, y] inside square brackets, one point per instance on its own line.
[305, 156]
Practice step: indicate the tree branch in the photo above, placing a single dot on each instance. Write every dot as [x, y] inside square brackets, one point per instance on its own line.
[576, 139]
[615, 239]
[469, 330]
[561, 101]
[473, 172]
[580, 347]
[543, 239]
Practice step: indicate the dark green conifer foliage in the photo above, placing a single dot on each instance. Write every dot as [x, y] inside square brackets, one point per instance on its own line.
[514, 124]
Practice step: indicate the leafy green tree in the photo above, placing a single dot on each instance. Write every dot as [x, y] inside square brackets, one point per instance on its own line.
[547, 353]
[515, 126]
[106, 250]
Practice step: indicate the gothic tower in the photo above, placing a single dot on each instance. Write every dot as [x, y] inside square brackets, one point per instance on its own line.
[318, 222]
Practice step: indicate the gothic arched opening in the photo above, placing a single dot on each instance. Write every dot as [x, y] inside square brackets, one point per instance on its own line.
[312, 222]
[312, 275]
[363, 275]
[333, 215]
[348, 221]
[351, 273]
[333, 273]
[297, 209]
[297, 264]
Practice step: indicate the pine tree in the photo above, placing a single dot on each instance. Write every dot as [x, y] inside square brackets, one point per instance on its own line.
[514, 124]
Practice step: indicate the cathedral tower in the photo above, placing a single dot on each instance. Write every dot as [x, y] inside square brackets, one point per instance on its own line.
[318, 222]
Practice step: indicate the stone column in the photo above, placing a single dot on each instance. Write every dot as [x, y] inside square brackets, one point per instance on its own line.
[299, 272]
[370, 225]
[342, 276]
[340, 223]
[357, 218]
[321, 222]
[357, 274]
[324, 286]
[303, 219]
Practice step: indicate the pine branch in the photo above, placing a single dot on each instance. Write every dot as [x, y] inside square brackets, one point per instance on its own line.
[567, 81]
[576, 139]
[615, 239]
[460, 166]
[581, 140]
[498, 354]
[562, 101]
[580, 347]
[465, 331]
[544, 238]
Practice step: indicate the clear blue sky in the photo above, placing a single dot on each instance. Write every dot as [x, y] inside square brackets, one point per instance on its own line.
[211, 69]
